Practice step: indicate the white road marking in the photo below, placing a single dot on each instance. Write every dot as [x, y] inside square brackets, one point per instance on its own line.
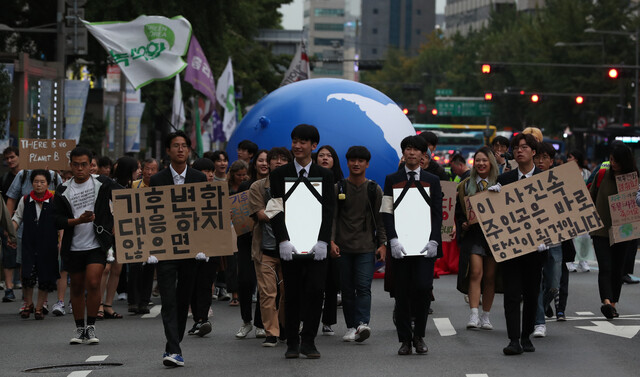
[444, 326]
[606, 327]
[97, 358]
[584, 313]
[477, 375]
[79, 373]
[153, 312]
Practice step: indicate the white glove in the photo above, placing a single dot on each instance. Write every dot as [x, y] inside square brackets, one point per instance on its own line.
[201, 256]
[110, 258]
[495, 187]
[431, 249]
[542, 248]
[287, 250]
[152, 259]
[319, 250]
[397, 250]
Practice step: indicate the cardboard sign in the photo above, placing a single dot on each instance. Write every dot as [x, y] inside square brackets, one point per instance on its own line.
[412, 219]
[623, 207]
[624, 232]
[172, 222]
[303, 215]
[449, 197]
[472, 218]
[240, 214]
[52, 154]
[548, 208]
[625, 213]
[627, 182]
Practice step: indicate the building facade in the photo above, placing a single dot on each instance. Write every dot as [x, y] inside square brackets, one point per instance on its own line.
[465, 15]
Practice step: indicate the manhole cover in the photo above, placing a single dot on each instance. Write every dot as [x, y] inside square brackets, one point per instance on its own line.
[71, 367]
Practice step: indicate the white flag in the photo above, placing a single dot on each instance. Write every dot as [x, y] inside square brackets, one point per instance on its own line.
[177, 113]
[226, 96]
[146, 49]
[299, 67]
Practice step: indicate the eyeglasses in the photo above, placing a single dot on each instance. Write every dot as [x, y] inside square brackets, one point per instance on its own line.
[523, 147]
[80, 165]
[180, 146]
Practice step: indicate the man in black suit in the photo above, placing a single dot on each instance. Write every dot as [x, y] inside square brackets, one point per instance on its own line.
[176, 277]
[304, 277]
[521, 276]
[412, 276]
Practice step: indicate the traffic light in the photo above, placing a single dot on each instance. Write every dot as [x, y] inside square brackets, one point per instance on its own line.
[579, 100]
[488, 96]
[486, 68]
[405, 111]
[613, 73]
[434, 112]
[535, 98]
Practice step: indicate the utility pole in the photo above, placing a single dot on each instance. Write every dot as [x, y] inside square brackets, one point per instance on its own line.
[58, 104]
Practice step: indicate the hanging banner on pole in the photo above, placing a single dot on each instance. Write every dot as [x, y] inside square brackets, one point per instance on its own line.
[226, 95]
[132, 131]
[75, 102]
[198, 74]
[299, 67]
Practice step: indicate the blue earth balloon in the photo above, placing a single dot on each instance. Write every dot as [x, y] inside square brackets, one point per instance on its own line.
[345, 112]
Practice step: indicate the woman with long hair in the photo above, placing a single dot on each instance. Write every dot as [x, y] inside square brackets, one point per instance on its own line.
[237, 175]
[481, 272]
[328, 158]
[611, 257]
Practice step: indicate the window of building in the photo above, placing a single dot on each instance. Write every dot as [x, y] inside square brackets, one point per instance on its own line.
[327, 41]
[328, 12]
[328, 27]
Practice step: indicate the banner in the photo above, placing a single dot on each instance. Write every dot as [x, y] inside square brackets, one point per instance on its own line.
[548, 208]
[132, 131]
[198, 74]
[625, 213]
[240, 214]
[146, 49]
[75, 102]
[5, 127]
[299, 67]
[449, 198]
[51, 154]
[112, 84]
[225, 93]
[177, 109]
[172, 222]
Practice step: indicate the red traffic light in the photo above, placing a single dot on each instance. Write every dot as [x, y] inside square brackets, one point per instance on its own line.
[535, 98]
[613, 73]
[579, 100]
[488, 96]
[434, 112]
[486, 68]
[405, 111]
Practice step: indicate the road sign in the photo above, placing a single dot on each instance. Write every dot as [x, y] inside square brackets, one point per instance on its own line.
[463, 106]
[422, 108]
[444, 92]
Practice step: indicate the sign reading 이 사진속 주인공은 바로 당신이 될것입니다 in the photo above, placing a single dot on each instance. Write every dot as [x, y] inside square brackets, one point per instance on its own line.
[50, 154]
[547, 208]
[172, 222]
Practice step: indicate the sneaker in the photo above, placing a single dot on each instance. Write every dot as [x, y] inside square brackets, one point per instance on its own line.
[223, 295]
[204, 329]
[122, 296]
[172, 360]
[58, 309]
[78, 336]
[270, 341]
[90, 335]
[260, 333]
[560, 317]
[17, 285]
[350, 336]
[244, 330]
[327, 330]
[8, 296]
[363, 332]
[214, 295]
[540, 331]
[474, 321]
[194, 329]
[485, 324]
[571, 267]
[583, 266]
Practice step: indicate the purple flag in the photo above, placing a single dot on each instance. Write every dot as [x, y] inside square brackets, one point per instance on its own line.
[217, 134]
[198, 73]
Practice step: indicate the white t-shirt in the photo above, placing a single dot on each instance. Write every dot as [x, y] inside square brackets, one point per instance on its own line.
[82, 198]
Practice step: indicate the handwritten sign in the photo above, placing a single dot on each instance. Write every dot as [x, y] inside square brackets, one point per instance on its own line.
[625, 213]
[449, 197]
[172, 222]
[50, 154]
[627, 182]
[240, 213]
[547, 208]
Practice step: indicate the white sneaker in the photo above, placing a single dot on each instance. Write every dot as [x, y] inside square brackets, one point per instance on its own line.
[260, 333]
[363, 332]
[583, 266]
[350, 336]
[485, 324]
[78, 336]
[540, 331]
[571, 267]
[122, 296]
[244, 330]
[90, 335]
[474, 321]
[58, 309]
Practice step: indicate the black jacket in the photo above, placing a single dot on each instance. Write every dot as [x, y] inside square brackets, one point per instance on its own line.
[165, 178]
[512, 176]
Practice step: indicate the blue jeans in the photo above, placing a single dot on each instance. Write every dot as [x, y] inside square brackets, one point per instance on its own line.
[356, 275]
[550, 284]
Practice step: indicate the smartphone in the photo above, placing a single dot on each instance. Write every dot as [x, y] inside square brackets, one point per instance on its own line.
[88, 213]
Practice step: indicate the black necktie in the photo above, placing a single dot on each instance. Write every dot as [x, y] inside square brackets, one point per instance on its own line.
[523, 176]
[412, 175]
[301, 173]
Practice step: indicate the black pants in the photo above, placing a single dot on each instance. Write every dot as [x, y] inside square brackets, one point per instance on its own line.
[521, 278]
[413, 281]
[564, 290]
[304, 281]
[611, 266]
[630, 259]
[175, 282]
[247, 281]
[140, 284]
[330, 307]
[201, 296]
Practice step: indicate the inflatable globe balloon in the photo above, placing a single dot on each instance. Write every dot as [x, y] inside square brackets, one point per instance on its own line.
[345, 112]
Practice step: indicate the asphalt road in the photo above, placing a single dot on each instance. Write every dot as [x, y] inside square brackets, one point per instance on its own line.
[585, 345]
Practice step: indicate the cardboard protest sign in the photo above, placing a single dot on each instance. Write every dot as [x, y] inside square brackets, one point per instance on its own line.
[623, 207]
[625, 213]
[240, 216]
[547, 208]
[624, 232]
[52, 154]
[472, 218]
[303, 214]
[449, 197]
[627, 182]
[172, 222]
[412, 218]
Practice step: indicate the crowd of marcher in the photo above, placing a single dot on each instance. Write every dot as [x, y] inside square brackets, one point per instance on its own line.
[58, 234]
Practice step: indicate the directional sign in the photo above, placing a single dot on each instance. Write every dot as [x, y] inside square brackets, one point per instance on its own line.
[463, 106]
[606, 327]
[444, 92]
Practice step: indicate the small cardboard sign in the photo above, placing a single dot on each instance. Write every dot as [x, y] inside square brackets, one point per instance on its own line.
[449, 197]
[548, 208]
[172, 222]
[624, 232]
[625, 213]
[52, 154]
[240, 213]
[627, 182]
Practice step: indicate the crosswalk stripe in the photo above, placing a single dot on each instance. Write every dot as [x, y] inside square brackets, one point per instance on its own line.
[444, 326]
[79, 373]
[584, 313]
[478, 375]
[153, 312]
[97, 358]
